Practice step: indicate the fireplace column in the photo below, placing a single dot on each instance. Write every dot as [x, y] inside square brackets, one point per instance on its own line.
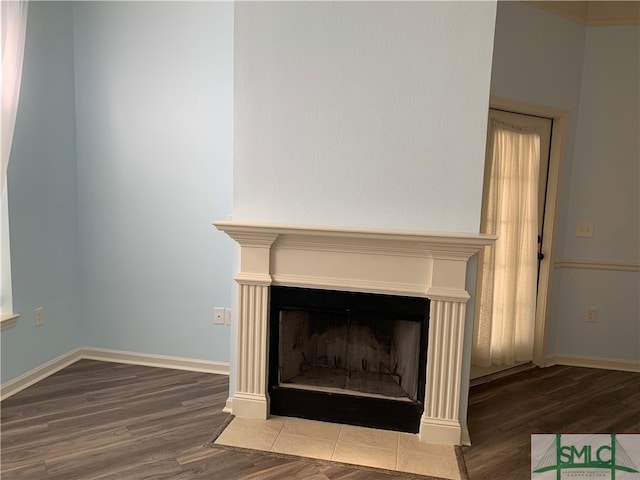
[441, 419]
[250, 399]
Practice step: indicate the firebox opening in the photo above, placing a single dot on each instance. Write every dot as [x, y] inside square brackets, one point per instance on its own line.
[355, 358]
[349, 353]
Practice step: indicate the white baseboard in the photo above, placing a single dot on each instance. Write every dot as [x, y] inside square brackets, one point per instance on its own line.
[31, 377]
[228, 405]
[594, 362]
[39, 373]
[151, 360]
[440, 430]
[465, 438]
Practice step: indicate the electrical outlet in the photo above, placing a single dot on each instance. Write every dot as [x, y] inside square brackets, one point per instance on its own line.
[218, 316]
[227, 316]
[591, 314]
[584, 229]
[39, 316]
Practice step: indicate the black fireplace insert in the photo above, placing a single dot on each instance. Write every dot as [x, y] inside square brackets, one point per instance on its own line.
[348, 357]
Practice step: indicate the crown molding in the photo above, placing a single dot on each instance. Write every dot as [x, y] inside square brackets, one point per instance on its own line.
[593, 13]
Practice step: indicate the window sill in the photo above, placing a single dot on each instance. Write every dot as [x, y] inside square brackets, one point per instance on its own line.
[8, 320]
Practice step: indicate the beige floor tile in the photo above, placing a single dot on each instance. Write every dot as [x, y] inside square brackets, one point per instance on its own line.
[365, 455]
[311, 429]
[369, 436]
[423, 464]
[412, 443]
[356, 445]
[246, 438]
[304, 446]
[270, 425]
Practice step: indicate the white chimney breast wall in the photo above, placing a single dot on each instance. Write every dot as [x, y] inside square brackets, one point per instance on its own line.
[362, 113]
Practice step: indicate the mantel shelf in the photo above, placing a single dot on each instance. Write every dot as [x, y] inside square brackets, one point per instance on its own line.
[314, 234]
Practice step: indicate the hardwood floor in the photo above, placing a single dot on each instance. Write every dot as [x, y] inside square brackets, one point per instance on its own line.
[503, 414]
[100, 420]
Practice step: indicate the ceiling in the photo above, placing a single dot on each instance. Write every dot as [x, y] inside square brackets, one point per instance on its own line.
[594, 13]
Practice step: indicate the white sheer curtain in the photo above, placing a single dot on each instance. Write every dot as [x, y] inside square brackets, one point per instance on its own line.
[14, 27]
[13, 21]
[503, 334]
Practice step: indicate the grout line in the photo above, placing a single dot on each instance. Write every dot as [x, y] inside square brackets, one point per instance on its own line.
[397, 453]
[273, 443]
[286, 419]
[335, 445]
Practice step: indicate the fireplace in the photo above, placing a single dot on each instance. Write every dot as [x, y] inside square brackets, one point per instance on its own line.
[348, 357]
[427, 266]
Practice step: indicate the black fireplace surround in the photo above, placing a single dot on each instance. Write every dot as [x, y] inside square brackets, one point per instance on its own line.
[348, 357]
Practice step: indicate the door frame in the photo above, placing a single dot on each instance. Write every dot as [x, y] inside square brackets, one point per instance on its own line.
[558, 137]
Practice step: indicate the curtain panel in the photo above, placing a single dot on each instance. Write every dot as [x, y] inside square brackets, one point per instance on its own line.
[14, 27]
[503, 334]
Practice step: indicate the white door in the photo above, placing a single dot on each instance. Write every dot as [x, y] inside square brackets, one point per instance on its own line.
[515, 183]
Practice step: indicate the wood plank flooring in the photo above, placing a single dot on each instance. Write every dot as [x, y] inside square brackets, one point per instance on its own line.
[503, 414]
[100, 420]
[103, 421]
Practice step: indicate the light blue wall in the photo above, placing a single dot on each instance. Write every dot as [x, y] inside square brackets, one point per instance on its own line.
[605, 189]
[42, 197]
[154, 83]
[111, 224]
[606, 170]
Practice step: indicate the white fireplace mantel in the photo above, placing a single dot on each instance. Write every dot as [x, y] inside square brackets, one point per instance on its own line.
[398, 262]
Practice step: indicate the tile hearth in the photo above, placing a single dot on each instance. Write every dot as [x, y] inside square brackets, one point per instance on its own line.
[402, 452]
